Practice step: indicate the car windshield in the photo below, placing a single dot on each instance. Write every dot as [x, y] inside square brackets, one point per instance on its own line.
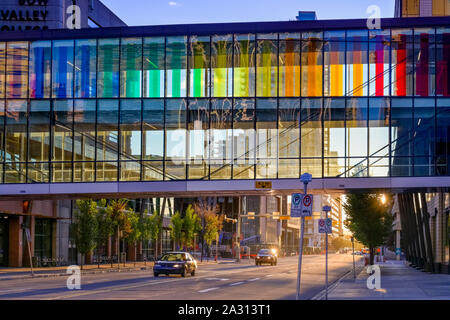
[172, 257]
[264, 251]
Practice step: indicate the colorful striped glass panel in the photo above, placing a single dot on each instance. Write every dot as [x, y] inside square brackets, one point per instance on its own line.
[108, 68]
[17, 70]
[154, 52]
[40, 64]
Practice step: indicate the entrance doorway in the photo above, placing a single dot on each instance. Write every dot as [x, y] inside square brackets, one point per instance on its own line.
[4, 241]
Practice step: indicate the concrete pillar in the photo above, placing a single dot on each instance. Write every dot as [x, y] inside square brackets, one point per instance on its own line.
[15, 252]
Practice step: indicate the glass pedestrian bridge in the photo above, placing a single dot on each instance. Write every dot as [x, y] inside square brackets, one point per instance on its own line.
[185, 108]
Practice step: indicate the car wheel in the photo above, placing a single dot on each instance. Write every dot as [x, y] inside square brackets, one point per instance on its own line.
[256, 263]
[156, 274]
[193, 273]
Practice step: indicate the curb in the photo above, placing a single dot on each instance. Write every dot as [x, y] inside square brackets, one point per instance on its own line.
[83, 272]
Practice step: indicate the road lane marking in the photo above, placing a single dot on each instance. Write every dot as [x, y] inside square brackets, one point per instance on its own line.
[269, 275]
[207, 290]
[256, 279]
[236, 283]
[217, 279]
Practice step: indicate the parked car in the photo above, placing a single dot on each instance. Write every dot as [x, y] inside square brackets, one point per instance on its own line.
[266, 256]
[175, 263]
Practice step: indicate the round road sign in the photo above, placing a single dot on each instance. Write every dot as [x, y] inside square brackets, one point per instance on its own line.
[306, 200]
[297, 198]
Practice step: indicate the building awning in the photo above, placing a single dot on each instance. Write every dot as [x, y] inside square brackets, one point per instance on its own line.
[39, 216]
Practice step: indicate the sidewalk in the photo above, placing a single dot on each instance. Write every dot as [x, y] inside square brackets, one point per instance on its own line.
[19, 273]
[398, 282]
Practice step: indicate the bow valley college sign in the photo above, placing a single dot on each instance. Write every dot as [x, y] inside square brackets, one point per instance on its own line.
[27, 11]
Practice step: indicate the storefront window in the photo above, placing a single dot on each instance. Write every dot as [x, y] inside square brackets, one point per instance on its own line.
[43, 234]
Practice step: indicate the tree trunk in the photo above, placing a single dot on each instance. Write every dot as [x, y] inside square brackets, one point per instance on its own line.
[371, 255]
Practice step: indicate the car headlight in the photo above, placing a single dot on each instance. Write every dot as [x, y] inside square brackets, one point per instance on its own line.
[177, 265]
[257, 257]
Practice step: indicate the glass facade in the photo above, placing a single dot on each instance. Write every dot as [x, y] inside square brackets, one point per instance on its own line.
[341, 103]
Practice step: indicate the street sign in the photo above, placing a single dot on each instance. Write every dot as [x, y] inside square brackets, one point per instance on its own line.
[306, 178]
[307, 205]
[325, 225]
[263, 184]
[296, 205]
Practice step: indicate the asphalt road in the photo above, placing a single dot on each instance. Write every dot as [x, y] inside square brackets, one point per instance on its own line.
[224, 281]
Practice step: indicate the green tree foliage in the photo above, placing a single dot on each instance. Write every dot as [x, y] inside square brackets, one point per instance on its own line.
[368, 219]
[104, 222]
[135, 230]
[176, 228]
[191, 225]
[213, 224]
[84, 228]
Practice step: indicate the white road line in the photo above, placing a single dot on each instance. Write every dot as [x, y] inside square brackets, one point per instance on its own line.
[217, 279]
[269, 275]
[10, 290]
[207, 290]
[256, 279]
[236, 283]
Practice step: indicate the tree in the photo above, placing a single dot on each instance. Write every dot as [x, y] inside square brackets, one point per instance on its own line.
[191, 225]
[152, 229]
[368, 219]
[84, 229]
[134, 235]
[176, 229]
[203, 210]
[105, 226]
[117, 210]
[213, 224]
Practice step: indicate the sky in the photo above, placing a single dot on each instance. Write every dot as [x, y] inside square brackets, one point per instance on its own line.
[160, 12]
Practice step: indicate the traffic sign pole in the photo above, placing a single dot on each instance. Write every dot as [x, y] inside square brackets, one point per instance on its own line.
[300, 250]
[305, 178]
[327, 223]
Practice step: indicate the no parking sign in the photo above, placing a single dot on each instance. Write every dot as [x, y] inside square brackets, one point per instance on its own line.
[301, 205]
[325, 225]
